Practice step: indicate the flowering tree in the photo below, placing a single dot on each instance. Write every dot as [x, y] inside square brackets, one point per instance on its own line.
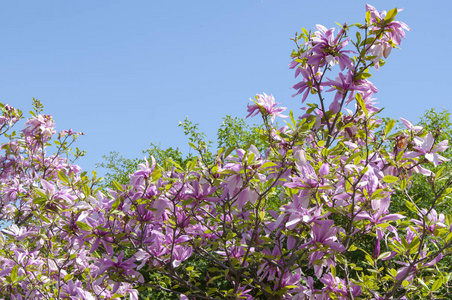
[307, 218]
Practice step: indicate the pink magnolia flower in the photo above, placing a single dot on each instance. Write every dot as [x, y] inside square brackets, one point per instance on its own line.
[40, 127]
[118, 265]
[144, 173]
[327, 49]
[435, 220]
[410, 126]
[380, 215]
[346, 83]
[324, 233]
[424, 146]
[380, 49]
[180, 254]
[75, 290]
[310, 77]
[393, 30]
[265, 104]
[339, 286]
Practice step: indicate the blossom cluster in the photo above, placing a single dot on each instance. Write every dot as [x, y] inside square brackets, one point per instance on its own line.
[308, 217]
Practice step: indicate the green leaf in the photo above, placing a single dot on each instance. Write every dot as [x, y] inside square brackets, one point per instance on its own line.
[156, 174]
[369, 259]
[359, 99]
[390, 179]
[250, 158]
[83, 226]
[115, 204]
[384, 255]
[175, 164]
[391, 14]
[228, 151]
[438, 173]
[45, 219]
[62, 176]
[39, 201]
[411, 206]
[403, 184]
[358, 37]
[291, 287]
[364, 75]
[448, 237]
[414, 244]
[420, 281]
[352, 248]
[117, 186]
[368, 15]
[192, 145]
[68, 277]
[393, 272]
[86, 190]
[293, 119]
[268, 164]
[378, 194]
[389, 125]
[437, 284]
[14, 273]
[400, 155]
[369, 40]
[40, 192]
[187, 202]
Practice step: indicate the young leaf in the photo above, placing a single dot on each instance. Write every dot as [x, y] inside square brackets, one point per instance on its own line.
[368, 15]
[83, 226]
[360, 100]
[14, 273]
[390, 179]
[389, 125]
[115, 204]
[391, 14]
[117, 186]
[62, 176]
[437, 284]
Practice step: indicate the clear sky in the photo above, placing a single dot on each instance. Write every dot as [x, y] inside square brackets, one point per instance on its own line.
[126, 72]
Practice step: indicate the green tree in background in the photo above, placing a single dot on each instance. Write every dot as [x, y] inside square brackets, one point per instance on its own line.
[234, 133]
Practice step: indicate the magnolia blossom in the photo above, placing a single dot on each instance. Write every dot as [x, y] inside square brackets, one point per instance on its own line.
[265, 104]
[379, 50]
[309, 84]
[424, 146]
[394, 30]
[415, 129]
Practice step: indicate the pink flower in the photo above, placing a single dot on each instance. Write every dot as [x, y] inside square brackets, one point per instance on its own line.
[310, 77]
[266, 106]
[118, 265]
[424, 146]
[380, 49]
[324, 233]
[393, 30]
[410, 126]
[327, 49]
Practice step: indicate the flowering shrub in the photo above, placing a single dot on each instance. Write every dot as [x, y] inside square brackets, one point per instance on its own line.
[308, 218]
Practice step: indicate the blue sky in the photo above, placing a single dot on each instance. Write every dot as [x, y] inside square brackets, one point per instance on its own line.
[126, 72]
